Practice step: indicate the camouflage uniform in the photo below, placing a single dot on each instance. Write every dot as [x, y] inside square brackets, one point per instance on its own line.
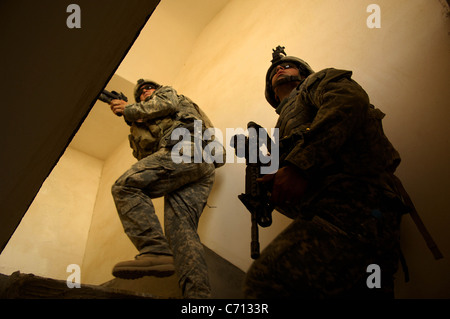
[349, 216]
[185, 187]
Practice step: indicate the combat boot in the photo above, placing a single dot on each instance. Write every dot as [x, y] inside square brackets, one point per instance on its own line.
[145, 265]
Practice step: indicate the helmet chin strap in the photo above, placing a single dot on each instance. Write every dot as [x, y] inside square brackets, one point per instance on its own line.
[291, 78]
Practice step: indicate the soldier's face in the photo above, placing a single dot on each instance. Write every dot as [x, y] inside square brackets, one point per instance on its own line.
[146, 91]
[284, 70]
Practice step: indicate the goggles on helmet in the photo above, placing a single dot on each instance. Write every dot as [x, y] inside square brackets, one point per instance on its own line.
[146, 87]
[285, 65]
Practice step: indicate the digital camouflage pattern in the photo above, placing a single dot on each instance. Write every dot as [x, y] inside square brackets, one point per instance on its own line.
[349, 216]
[153, 121]
[185, 187]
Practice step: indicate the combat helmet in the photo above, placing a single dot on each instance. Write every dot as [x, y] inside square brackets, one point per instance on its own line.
[140, 83]
[278, 57]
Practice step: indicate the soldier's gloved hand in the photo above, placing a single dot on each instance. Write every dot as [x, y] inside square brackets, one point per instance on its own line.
[118, 106]
[289, 184]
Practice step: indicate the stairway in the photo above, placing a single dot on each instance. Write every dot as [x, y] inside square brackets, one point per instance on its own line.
[226, 283]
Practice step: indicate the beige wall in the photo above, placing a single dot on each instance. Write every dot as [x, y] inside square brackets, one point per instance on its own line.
[54, 231]
[165, 43]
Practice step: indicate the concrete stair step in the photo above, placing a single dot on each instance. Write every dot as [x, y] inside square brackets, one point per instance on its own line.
[29, 286]
[225, 278]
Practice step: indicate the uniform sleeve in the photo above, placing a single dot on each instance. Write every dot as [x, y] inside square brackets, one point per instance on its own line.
[342, 106]
[163, 102]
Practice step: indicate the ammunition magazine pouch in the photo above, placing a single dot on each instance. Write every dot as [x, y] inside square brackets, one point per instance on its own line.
[144, 137]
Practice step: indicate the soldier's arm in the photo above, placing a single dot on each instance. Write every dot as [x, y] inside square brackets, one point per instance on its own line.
[163, 102]
[342, 106]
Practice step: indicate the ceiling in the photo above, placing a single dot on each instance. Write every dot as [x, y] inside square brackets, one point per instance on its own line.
[158, 53]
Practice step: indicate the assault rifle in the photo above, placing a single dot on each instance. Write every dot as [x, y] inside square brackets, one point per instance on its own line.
[107, 97]
[256, 196]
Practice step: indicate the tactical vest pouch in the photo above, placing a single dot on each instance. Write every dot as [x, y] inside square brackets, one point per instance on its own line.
[142, 141]
[145, 136]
